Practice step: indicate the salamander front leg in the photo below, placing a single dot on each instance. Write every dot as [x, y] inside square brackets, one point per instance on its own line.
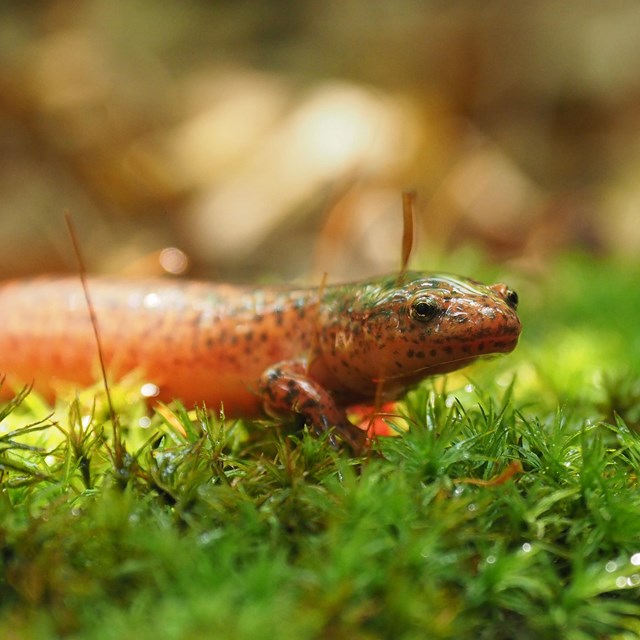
[286, 388]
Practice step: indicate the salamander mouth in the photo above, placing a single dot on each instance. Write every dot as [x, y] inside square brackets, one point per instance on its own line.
[449, 357]
[495, 345]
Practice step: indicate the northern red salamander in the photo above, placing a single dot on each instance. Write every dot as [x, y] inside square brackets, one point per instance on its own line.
[312, 352]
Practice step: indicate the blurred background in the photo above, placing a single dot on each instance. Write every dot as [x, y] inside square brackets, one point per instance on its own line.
[272, 140]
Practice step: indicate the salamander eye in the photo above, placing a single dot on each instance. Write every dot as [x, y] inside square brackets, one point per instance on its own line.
[511, 298]
[424, 309]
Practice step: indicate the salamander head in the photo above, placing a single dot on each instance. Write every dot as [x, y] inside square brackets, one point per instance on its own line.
[404, 329]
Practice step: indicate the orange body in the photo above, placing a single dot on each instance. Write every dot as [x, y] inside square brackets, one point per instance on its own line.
[255, 349]
[196, 342]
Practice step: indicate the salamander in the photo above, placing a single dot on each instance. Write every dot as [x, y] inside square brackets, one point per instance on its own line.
[307, 351]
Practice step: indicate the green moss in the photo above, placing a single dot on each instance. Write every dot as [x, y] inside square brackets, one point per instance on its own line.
[204, 528]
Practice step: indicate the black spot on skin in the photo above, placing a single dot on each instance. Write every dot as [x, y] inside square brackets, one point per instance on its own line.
[448, 350]
[264, 336]
[434, 353]
[420, 354]
[410, 353]
[466, 349]
[480, 346]
[209, 342]
[292, 392]
[248, 336]
[398, 365]
[234, 339]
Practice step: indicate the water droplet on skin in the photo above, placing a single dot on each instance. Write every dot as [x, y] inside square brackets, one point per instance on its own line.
[471, 507]
[144, 422]
[621, 582]
[635, 559]
[526, 547]
[488, 312]
[458, 491]
[611, 566]
[490, 559]
[149, 390]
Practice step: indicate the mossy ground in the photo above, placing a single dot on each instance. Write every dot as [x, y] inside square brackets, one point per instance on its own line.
[510, 509]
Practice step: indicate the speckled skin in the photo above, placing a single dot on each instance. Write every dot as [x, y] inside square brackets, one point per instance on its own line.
[308, 351]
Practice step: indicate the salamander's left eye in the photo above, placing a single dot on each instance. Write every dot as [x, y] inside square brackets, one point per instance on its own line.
[424, 308]
[512, 298]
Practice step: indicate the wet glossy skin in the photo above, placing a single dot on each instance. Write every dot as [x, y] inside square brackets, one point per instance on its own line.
[308, 351]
